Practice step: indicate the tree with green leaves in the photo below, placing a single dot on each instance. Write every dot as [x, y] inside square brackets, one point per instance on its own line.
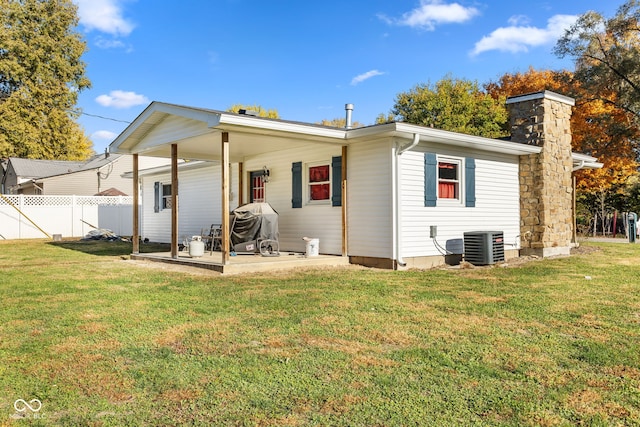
[340, 122]
[261, 112]
[41, 75]
[457, 105]
[607, 55]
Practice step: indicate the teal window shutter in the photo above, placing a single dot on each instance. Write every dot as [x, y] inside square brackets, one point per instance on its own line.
[470, 182]
[156, 196]
[430, 179]
[296, 185]
[336, 181]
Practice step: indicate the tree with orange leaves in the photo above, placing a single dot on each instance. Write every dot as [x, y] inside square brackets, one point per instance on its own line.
[600, 128]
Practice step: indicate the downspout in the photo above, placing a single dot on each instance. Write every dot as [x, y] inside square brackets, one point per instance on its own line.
[398, 199]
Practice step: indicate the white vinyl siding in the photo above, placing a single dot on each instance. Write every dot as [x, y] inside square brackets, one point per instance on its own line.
[78, 183]
[199, 203]
[172, 129]
[497, 202]
[87, 182]
[370, 199]
[321, 221]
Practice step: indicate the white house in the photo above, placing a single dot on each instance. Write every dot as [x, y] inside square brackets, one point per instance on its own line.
[394, 195]
[99, 175]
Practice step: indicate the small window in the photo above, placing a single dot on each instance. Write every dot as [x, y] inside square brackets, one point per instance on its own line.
[319, 183]
[166, 196]
[449, 179]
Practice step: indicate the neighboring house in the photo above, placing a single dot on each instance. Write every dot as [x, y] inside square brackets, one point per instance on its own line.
[393, 195]
[3, 170]
[100, 175]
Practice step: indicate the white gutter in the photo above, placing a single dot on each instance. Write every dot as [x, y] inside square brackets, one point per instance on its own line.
[416, 139]
[580, 166]
[398, 199]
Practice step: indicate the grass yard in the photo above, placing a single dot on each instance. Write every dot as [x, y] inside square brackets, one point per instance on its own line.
[100, 341]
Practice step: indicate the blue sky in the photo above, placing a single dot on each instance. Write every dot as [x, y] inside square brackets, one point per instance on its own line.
[306, 59]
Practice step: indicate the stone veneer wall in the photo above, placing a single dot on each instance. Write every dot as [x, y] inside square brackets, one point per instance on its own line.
[546, 190]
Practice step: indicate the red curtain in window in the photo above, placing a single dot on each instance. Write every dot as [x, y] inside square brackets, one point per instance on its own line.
[319, 173]
[448, 172]
[447, 190]
[319, 192]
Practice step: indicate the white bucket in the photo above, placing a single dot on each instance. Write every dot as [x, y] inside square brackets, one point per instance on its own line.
[196, 247]
[313, 247]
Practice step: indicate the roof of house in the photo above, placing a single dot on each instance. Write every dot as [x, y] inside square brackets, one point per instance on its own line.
[34, 168]
[37, 169]
[253, 135]
[111, 192]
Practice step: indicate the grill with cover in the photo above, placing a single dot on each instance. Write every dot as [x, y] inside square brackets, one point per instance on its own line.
[254, 229]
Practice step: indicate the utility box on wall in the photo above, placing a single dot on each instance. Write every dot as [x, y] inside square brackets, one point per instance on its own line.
[484, 247]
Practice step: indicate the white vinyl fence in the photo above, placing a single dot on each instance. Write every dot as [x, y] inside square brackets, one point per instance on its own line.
[63, 215]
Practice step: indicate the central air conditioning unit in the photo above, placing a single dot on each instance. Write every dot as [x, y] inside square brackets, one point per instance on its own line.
[484, 247]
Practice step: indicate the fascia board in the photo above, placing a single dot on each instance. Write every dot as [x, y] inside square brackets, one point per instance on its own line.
[210, 117]
[405, 130]
[261, 123]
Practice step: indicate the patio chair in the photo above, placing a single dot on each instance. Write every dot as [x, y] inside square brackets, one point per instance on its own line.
[213, 240]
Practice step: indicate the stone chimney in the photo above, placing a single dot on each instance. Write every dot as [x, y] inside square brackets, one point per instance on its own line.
[546, 191]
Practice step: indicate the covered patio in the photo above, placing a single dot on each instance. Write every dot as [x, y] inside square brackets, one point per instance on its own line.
[185, 133]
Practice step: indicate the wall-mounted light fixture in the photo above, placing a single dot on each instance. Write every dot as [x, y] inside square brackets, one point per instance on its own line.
[265, 174]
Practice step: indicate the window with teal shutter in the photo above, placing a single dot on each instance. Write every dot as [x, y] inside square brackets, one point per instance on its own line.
[443, 177]
[336, 181]
[470, 182]
[296, 185]
[430, 179]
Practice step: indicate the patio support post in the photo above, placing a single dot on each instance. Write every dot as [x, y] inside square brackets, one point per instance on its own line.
[135, 238]
[343, 183]
[174, 201]
[224, 244]
[240, 183]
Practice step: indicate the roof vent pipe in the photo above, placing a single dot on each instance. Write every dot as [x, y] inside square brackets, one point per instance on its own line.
[349, 109]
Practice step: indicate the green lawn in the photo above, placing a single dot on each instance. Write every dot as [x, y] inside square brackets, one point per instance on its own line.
[100, 341]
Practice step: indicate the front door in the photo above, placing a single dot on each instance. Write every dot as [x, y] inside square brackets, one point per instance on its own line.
[257, 187]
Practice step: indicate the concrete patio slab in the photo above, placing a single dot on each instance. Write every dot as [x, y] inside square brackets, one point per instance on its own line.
[245, 263]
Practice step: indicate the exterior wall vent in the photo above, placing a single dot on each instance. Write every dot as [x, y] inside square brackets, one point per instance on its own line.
[484, 247]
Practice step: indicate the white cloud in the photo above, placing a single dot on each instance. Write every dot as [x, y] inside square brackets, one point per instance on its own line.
[365, 76]
[121, 99]
[105, 16]
[519, 37]
[103, 43]
[516, 20]
[433, 12]
[104, 135]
